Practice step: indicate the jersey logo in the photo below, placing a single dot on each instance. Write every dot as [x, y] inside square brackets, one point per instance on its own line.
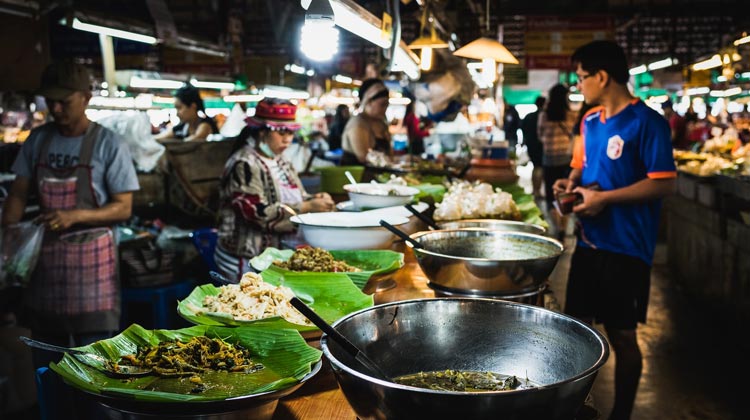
[614, 147]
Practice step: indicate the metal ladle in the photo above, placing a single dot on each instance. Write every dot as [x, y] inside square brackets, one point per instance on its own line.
[342, 341]
[91, 359]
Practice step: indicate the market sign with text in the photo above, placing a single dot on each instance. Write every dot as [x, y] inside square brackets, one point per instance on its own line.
[551, 40]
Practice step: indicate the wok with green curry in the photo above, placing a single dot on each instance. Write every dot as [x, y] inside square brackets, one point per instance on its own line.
[463, 381]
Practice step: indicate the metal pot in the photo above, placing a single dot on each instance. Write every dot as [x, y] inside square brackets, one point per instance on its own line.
[257, 406]
[486, 262]
[557, 352]
[493, 224]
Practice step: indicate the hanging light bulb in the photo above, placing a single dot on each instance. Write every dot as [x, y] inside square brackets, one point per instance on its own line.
[427, 43]
[425, 59]
[319, 38]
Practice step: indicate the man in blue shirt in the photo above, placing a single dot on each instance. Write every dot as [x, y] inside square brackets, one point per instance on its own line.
[625, 148]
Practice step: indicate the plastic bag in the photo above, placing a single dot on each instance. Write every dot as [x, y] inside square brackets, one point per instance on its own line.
[20, 244]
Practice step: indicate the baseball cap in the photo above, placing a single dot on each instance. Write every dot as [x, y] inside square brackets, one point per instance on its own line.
[60, 79]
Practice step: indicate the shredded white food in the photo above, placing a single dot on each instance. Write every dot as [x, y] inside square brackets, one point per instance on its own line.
[466, 200]
[253, 299]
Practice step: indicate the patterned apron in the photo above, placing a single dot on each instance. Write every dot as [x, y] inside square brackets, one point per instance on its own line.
[75, 285]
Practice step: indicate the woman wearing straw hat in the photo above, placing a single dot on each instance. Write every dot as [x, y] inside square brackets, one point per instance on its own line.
[260, 190]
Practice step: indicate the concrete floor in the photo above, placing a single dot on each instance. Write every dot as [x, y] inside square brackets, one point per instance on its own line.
[693, 361]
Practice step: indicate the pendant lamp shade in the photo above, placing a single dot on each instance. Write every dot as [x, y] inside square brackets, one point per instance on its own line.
[432, 41]
[482, 48]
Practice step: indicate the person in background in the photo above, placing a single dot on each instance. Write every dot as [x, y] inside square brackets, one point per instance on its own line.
[556, 134]
[367, 130]
[84, 178]
[415, 130]
[340, 119]
[625, 148]
[529, 126]
[194, 124]
[260, 191]
[677, 125]
[511, 124]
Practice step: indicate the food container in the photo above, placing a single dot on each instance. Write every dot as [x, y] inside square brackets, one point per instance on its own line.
[341, 231]
[558, 353]
[485, 262]
[493, 224]
[374, 196]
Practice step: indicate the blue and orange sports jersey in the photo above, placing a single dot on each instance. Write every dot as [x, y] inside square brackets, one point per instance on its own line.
[617, 152]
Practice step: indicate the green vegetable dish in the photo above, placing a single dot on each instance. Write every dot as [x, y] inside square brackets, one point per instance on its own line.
[316, 260]
[464, 381]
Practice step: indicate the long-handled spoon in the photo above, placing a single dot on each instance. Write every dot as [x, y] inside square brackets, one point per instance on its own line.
[342, 341]
[428, 221]
[106, 364]
[401, 234]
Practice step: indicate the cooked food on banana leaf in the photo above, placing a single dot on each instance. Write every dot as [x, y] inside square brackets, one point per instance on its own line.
[464, 381]
[254, 299]
[478, 200]
[199, 354]
[315, 259]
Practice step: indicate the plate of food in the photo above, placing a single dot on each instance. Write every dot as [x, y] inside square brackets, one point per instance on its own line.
[359, 266]
[256, 300]
[196, 364]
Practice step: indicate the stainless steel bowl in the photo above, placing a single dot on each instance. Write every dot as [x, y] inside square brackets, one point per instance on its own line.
[557, 352]
[486, 262]
[493, 224]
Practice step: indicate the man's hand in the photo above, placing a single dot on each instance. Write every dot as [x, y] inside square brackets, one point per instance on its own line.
[563, 185]
[59, 219]
[593, 202]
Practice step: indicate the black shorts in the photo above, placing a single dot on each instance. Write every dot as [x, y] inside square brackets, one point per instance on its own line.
[608, 287]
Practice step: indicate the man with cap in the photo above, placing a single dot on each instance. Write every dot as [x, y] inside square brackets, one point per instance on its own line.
[677, 124]
[84, 178]
[260, 190]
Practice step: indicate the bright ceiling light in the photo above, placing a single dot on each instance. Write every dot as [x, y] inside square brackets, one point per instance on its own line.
[638, 70]
[576, 97]
[243, 98]
[319, 39]
[425, 59]
[342, 79]
[712, 62]
[349, 19]
[399, 101]
[697, 91]
[284, 93]
[115, 33]
[212, 85]
[743, 40]
[667, 62]
[137, 82]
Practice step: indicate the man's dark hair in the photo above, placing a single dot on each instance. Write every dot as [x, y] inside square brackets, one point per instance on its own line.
[603, 55]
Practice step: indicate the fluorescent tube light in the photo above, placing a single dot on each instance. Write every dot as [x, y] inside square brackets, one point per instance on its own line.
[725, 93]
[243, 98]
[667, 62]
[638, 70]
[399, 101]
[285, 94]
[743, 40]
[342, 79]
[357, 20]
[576, 97]
[137, 82]
[721, 79]
[163, 100]
[697, 91]
[116, 33]
[712, 62]
[212, 85]
[349, 19]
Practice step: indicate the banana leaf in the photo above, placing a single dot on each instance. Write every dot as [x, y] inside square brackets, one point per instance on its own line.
[330, 295]
[372, 262]
[283, 353]
[530, 212]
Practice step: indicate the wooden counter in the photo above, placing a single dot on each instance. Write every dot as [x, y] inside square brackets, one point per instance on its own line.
[321, 398]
